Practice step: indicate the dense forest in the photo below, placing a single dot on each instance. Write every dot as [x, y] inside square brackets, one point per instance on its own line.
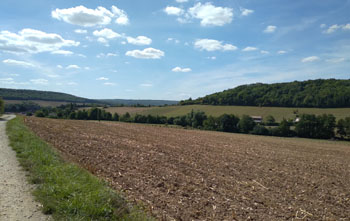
[328, 93]
[14, 94]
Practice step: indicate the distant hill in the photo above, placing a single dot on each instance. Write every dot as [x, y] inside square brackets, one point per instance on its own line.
[320, 93]
[138, 102]
[19, 94]
[34, 95]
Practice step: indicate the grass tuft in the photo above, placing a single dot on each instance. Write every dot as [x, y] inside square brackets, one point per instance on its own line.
[66, 191]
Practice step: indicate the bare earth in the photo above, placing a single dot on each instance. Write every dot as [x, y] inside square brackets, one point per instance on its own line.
[200, 175]
[16, 201]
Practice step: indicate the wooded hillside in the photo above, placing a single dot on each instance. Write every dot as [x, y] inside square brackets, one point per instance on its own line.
[312, 93]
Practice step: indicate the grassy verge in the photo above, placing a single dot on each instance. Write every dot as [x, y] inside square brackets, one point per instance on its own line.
[66, 191]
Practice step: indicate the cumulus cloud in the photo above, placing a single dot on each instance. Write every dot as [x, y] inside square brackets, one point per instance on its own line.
[247, 49]
[102, 79]
[62, 52]
[32, 41]
[140, 40]
[73, 66]
[87, 17]
[147, 53]
[179, 69]
[246, 12]
[39, 81]
[18, 63]
[106, 33]
[171, 10]
[264, 52]
[59, 66]
[346, 27]
[270, 29]
[213, 45]
[80, 31]
[281, 52]
[310, 59]
[181, 1]
[209, 14]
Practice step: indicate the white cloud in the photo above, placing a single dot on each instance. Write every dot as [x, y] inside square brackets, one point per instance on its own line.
[147, 53]
[59, 66]
[335, 60]
[247, 49]
[87, 17]
[72, 83]
[213, 45]
[102, 79]
[6, 79]
[73, 66]
[102, 40]
[264, 52]
[106, 33]
[332, 29]
[39, 81]
[146, 85]
[171, 10]
[179, 69]
[212, 58]
[122, 18]
[32, 41]
[336, 27]
[173, 40]
[322, 25]
[139, 40]
[109, 83]
[270, 29]
[211, 15]
[18, 63]
[246, 12]
[181, 1]
[80, 31]
[346, 27]
[102, 55]
[310, 59]
[281, 52]
[62, 52]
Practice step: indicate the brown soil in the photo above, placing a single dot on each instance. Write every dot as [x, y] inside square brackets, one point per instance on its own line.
[200, 175]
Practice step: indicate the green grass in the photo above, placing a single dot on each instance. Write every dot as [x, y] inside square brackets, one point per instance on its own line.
[277, 112]
[66, 191]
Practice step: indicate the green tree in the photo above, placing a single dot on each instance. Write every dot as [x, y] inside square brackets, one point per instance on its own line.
[246, 124]
[228, 123]
[115, 117]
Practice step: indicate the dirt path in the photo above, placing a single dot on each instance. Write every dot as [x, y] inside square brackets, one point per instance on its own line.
[16, 201]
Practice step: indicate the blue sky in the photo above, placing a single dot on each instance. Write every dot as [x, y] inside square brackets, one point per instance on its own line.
[169, 49]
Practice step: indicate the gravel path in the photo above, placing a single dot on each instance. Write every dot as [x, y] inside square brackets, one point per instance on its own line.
[16, 201]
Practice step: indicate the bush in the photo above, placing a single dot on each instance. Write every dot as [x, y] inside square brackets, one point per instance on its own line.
[260, 130]
[39, 113]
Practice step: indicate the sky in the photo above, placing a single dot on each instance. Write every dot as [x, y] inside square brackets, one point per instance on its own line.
[169, 49]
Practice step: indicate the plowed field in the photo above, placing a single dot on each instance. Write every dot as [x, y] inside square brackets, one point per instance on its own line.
[200, 175]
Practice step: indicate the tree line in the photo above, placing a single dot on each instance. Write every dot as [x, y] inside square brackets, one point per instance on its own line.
[309, 125]
[2, 106]
[319, 93]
